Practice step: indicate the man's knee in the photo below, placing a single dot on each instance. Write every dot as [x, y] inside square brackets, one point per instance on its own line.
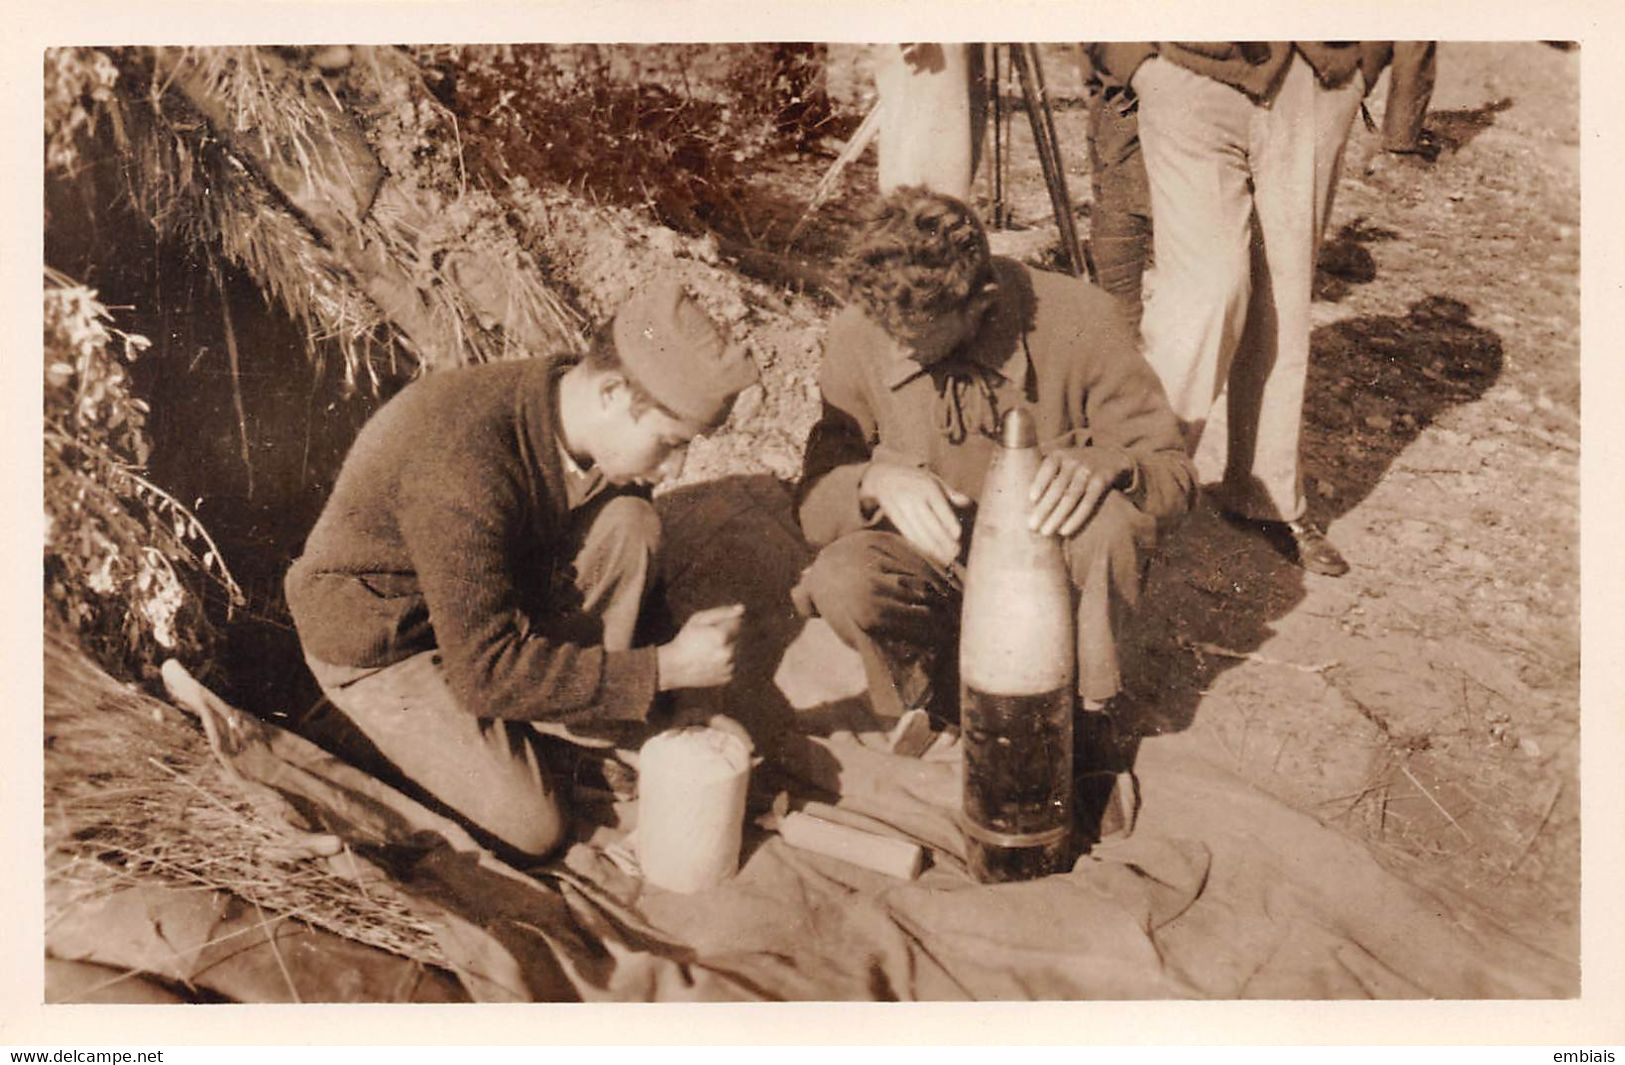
[840, 583]
[873, 582]
[1116, 543]
[517, 800]
[533, 825]
[624, 534]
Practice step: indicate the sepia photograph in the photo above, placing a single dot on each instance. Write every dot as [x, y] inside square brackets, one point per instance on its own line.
[811, 521]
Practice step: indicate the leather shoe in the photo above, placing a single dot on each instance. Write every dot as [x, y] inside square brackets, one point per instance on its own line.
[1301, 542]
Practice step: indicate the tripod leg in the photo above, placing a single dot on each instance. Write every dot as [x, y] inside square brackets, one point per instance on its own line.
[1048, 158]
[995, 174]
[1069, 227]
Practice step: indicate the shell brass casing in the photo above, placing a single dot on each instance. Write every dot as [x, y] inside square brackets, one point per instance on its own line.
[1016, 654]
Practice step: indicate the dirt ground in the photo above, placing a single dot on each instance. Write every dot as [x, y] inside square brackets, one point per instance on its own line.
[1428, 702]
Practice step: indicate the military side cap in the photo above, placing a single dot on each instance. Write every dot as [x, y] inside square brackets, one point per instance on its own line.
[672, 348]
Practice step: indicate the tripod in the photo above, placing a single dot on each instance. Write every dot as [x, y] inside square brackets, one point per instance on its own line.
[1029, 71]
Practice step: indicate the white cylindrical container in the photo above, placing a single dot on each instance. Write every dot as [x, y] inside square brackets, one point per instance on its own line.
[691, 807]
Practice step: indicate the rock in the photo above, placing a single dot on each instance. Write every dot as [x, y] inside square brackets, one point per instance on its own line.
[1529, 747]
[1380, 422]
[748, 404]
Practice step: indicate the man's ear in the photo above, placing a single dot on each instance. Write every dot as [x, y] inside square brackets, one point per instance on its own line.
[612, 389]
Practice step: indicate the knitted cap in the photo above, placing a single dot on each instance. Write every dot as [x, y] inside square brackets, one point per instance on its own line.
[676, 352]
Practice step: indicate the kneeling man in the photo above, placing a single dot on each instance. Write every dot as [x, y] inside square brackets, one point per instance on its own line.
[939, 341]
[481, 567]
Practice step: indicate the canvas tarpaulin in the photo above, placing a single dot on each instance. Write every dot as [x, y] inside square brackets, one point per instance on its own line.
[1220, 891]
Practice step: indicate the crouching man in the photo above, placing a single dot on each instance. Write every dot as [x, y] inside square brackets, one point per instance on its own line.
[481, 567]
[938, 342]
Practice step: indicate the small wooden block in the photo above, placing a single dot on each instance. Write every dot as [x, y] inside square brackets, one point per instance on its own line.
[894, 857]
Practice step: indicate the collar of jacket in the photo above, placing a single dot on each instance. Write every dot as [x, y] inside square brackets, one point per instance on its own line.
[997, 346]
[540, 425]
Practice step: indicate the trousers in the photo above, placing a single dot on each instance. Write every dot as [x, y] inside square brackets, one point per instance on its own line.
[1240, 192]
[1120, 218]
[490, 774]
[1410, 90]
[933, 107]
[900, 610]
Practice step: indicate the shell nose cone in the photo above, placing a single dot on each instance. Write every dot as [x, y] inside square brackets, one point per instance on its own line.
[1017, 430]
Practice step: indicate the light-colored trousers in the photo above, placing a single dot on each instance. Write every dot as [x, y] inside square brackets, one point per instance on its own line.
[932, 111]
[1240, 191]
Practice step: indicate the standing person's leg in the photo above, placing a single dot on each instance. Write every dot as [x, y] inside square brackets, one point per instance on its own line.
[1297, 146]
[1192, 135]
[1410, 89]
[928, 94]
[895, 608]
[1261, 478]
[1120, 220]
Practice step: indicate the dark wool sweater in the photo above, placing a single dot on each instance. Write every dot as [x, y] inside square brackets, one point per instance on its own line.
[1053, 344]
[1253, 67]
[447, 529]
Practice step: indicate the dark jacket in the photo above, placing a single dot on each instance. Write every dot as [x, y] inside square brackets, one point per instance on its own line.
[447, 529]
[1253, 67]
[1053, 344]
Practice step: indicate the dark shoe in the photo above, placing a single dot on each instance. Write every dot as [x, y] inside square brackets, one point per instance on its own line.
[1105, 792]
[1424, 152]
[1400, 168]
[1108, 805]
[1301, 542]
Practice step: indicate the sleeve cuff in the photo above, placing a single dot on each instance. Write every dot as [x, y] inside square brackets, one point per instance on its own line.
[1135, 490]
[628, 688]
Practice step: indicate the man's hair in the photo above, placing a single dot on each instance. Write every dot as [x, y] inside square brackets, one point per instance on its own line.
[604, 357]
[918, 254]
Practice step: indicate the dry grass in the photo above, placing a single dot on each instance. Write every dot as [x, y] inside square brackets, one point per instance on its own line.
[206, 187]
[134, 796]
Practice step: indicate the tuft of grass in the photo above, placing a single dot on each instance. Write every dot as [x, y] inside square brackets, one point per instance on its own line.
[133, 795]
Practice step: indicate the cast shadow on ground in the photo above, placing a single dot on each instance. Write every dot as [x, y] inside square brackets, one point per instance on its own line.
[1344, 260]
[1375, 382]
[1457, 128]
[735, 540]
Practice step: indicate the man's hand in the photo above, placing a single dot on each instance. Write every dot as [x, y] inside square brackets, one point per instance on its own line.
[1069, 485]
[919, 504]
[702, 655]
